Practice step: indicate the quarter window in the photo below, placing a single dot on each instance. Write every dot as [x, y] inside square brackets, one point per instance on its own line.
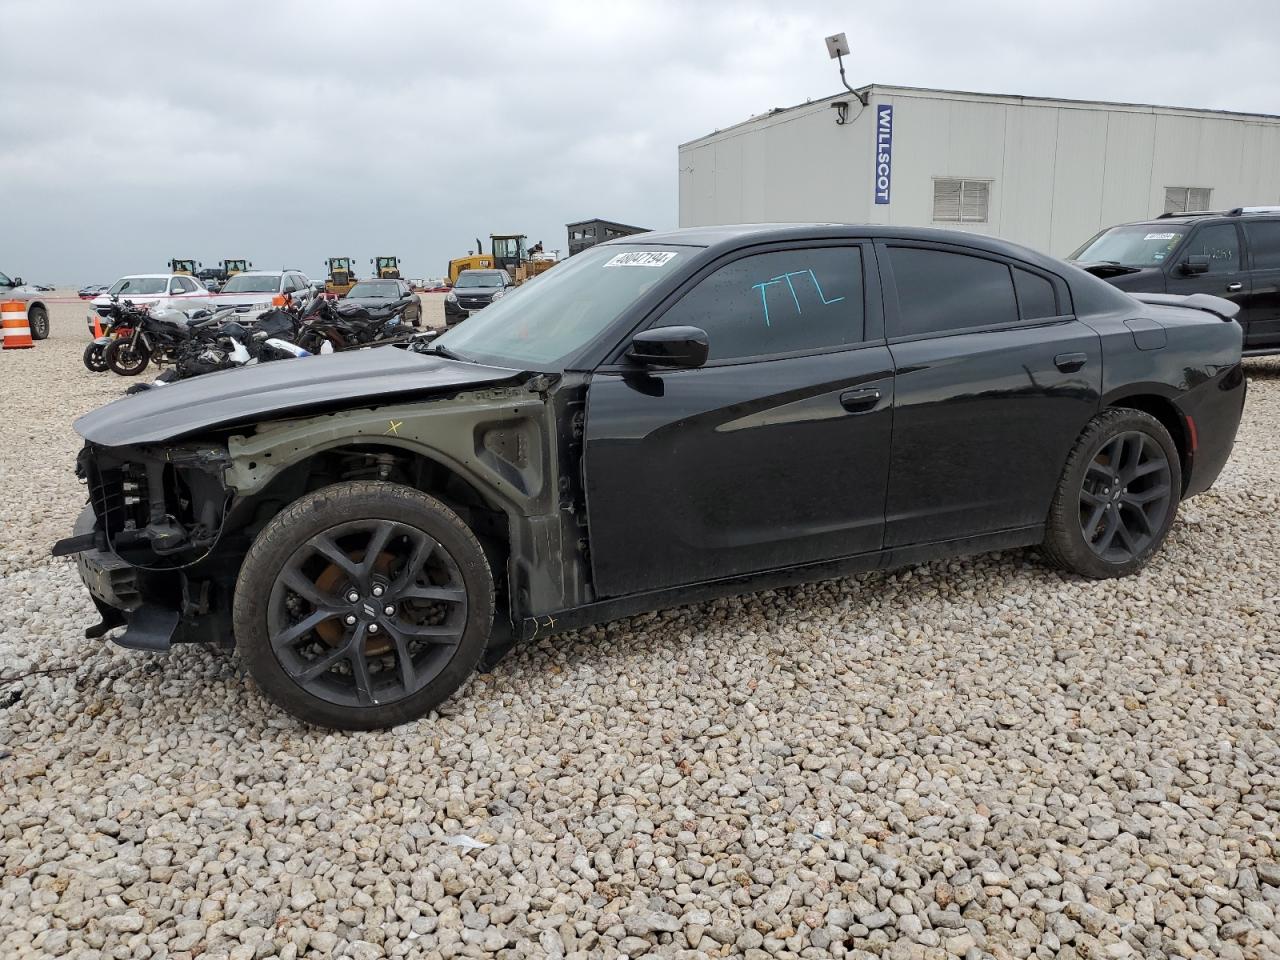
[771, 303]
[1036, 299]
[961, 201]
[1182, 199]
[1220, 243]
[939, 292]
[1264, 243]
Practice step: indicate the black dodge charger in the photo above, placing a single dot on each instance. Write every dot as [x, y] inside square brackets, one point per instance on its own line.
[660, 419]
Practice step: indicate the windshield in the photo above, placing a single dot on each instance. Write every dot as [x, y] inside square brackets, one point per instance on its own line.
[373, 288]
[1133, 245]
[248, 283]
[488, 278]
[562, 310]
[139, 285]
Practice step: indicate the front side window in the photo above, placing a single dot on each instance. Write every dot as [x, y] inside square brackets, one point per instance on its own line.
[961, 201]
[1184, 199]
[772, 303]
[1264, 243]
[1220, 243]
[940, 292]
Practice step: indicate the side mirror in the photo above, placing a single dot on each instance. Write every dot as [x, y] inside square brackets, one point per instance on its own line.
[17, 281]
[1196, 263]
[669, 347]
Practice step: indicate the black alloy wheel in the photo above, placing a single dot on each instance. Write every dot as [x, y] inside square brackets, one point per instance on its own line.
[1117, 497]
[1125, 497]
[363, 605]
[38, 321]
[367, 612]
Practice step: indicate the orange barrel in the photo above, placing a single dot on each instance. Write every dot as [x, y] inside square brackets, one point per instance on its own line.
[17, 332]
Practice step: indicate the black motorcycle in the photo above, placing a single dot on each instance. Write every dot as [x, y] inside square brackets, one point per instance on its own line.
[153, 338]
[219, 343]
[349, 326]
[121, 320]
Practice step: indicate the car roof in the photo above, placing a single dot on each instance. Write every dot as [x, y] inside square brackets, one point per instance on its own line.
[1195, 216]
[149, 276]
[734, 236]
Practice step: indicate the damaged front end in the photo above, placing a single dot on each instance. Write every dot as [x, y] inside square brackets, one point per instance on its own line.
[146, 543]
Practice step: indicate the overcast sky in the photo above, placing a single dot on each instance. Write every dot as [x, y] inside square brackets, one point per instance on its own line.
[286, 132]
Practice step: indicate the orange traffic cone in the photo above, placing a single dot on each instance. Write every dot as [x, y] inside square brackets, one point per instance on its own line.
[17, 332]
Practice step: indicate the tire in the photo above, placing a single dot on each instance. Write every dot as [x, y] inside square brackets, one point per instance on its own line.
[95, 357]
[38, 321]
[124, 359]
[1117, 498]
[293, 610]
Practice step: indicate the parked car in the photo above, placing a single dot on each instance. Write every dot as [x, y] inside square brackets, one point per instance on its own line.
[1234, 254]
[91, 290]
[388, 293]
[475, 290]
[37, 310]
[701, 413]
[147, 289]
[254, 291]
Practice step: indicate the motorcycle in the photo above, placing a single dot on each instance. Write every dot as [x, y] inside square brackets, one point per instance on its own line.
[122, 319]
[347, 326]
[154, 337]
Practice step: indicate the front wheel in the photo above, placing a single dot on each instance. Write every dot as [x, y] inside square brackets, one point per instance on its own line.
[363, 605]
[38, 321]
[95, 358]
[127, 358]
[1117, 497]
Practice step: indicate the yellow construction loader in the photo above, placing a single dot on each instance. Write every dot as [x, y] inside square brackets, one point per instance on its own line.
[231, 267]
[386, 268]
[507, 251]
[342, 276]
[187, 267]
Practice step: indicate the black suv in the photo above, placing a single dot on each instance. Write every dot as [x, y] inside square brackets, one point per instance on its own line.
[1233, 254]
[475, 290]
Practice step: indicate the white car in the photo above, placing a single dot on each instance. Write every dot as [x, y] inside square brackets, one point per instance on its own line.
[253, 291]
[170, 290]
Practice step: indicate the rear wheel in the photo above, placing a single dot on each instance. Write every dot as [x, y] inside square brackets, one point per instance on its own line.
[1117, 497]
[363, 605]
[38, 321]
[126, 358]
[95, 358]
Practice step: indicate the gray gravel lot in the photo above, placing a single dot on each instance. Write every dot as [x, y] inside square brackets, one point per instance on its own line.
[961, 759]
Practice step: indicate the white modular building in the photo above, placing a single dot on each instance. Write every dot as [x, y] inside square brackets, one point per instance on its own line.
[1043, 172]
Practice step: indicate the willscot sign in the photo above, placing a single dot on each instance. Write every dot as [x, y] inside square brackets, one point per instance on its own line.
[884, 151]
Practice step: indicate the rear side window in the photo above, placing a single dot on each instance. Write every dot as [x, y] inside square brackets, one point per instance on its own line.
[1036, 299]
[939, 292]
[771, 303]
[1264, 243]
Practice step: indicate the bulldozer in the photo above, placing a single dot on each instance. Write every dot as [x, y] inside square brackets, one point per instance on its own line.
[386, 268]
[187, 267]
[231, 267]
[507, 252]
[342, 276]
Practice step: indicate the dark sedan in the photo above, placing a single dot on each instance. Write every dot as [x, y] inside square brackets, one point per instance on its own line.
[475, 290]
[658, 420]
[387, 294]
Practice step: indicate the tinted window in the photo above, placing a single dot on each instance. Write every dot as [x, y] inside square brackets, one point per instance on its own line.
[1264, 243]
[777, 303]
[1035, 295]
[1220, 243]
[939, 291]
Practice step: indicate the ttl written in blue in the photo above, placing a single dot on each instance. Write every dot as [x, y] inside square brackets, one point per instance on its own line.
[763, 287]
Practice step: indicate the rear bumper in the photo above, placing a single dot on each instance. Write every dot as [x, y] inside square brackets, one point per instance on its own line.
[1213, 411]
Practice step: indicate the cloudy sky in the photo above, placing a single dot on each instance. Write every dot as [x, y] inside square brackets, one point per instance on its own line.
[287, 131]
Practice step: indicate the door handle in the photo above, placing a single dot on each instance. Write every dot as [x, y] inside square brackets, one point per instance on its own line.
[1070, 362]
[1235, 287]
[859, 401]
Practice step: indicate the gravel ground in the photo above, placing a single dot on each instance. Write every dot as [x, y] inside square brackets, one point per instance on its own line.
[968, 758]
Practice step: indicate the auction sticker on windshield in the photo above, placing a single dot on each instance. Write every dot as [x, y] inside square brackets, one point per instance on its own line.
[640, 258]
[1161, 236]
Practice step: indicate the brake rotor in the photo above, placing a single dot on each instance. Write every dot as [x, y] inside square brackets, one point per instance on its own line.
[330, 580]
